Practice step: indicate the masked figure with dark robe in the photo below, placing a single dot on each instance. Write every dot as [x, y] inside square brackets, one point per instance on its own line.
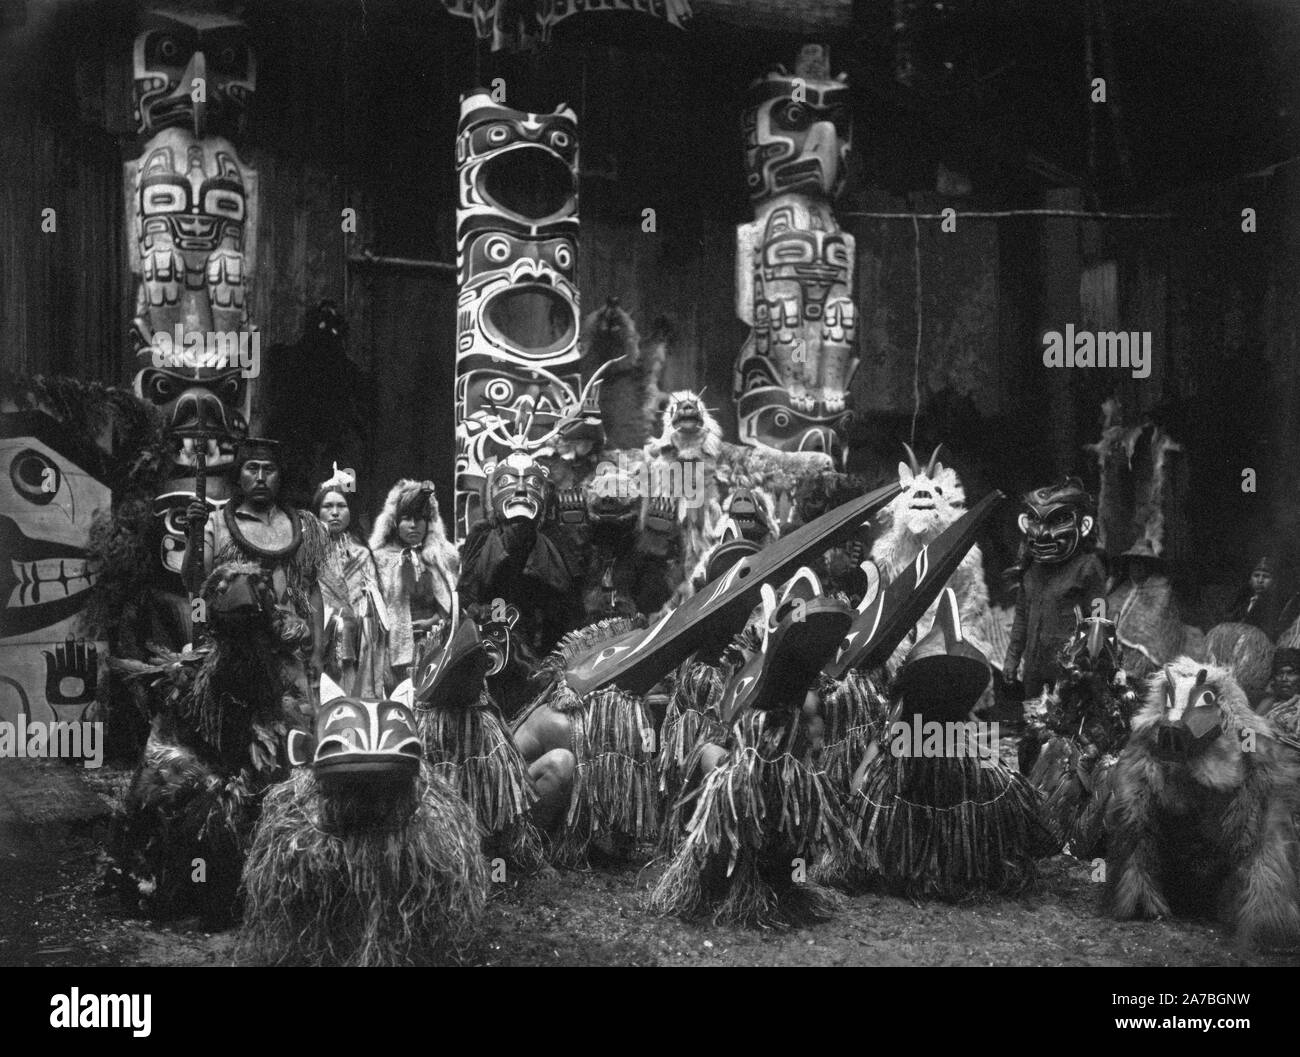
[511, 558]
[1064, 572]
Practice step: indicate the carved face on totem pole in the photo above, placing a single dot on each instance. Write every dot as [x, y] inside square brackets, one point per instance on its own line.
[190, 212]
[518, 316]
[194, 70]
[191, 218]
[1057, 520]
[798, 134]
[794, 266]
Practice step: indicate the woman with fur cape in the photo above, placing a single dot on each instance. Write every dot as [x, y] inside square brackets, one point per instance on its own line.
[417, 567]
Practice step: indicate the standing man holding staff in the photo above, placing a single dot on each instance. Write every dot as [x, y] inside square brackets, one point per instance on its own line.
[290, 545]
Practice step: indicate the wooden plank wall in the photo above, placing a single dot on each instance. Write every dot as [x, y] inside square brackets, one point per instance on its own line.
[357, 105]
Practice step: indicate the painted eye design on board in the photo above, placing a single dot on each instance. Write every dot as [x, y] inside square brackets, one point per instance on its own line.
[35, 477]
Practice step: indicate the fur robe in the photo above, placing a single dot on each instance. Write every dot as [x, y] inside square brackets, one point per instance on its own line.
[438, 555]
[1211, 833]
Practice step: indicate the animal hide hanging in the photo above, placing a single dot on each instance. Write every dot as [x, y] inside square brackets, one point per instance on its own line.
[608, 334]
[1143, 487]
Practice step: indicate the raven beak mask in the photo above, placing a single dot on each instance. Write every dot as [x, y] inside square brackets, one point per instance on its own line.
[466, 740]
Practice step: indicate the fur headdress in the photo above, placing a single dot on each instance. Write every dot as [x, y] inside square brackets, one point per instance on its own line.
[416, 498]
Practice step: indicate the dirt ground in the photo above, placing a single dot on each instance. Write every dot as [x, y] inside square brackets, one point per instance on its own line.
[49, 915]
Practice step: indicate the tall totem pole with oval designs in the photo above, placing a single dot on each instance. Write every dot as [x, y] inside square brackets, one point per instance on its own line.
[517, 314]
[794, 265]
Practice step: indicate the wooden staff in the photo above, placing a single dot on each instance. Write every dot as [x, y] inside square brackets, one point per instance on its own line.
[194, 529]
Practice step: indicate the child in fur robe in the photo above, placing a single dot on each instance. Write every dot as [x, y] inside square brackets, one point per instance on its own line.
[417, 567]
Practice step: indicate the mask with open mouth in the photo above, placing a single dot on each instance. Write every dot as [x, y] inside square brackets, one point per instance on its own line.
[1057, 520]
[517, 488]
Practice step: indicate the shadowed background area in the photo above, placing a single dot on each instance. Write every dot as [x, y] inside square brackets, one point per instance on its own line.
[978, 106]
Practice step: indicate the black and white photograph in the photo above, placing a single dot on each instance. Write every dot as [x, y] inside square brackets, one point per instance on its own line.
[651, 483]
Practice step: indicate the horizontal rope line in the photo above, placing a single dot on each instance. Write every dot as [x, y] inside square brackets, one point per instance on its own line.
[1001, 213]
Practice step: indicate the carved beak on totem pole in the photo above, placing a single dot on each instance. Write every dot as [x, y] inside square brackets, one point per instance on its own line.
[1192, 718]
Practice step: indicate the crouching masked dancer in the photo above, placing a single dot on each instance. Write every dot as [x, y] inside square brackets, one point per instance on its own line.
[363, 856]
[288, 545]
[590, 737]
[763, 806]
[935, 811]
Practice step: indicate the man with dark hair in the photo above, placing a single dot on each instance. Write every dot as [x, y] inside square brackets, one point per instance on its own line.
[289, 545]
[1281, 706]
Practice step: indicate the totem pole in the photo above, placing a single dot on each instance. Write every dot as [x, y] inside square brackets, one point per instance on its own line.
[517, 317]
[794, 266]
[191, 213]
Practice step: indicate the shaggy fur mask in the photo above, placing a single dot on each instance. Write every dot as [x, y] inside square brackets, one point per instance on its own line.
[689, 430]
[928, 503]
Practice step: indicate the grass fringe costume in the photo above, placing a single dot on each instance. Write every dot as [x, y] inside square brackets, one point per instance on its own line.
[403, 887]
[766, 810]
[365, 857]
[612, 740]
[946, 826]
[758, 818]
[468, 744]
